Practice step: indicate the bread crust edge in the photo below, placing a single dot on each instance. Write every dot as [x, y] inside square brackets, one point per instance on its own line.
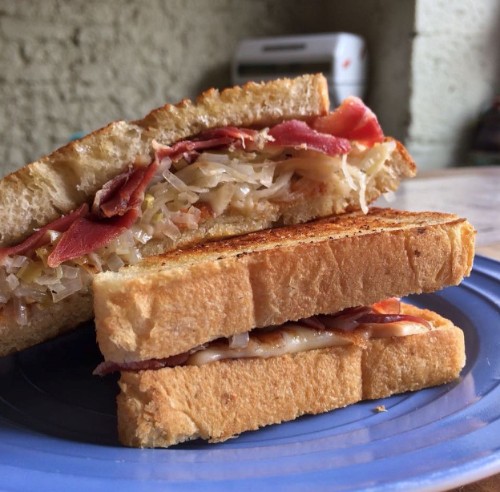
[285, 274]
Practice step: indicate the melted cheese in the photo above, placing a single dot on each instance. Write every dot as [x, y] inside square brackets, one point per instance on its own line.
[397, 329]
[287, 339]
[292, 338]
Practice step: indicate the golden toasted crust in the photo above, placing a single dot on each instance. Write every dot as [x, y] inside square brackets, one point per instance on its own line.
[58, 183]
[394, 365]
[174, 302]
[405, 156]
[253, 104]
[220, 400]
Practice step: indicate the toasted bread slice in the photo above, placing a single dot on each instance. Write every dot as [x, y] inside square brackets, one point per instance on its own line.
[62, 181]
[220, 400]
[174, 302]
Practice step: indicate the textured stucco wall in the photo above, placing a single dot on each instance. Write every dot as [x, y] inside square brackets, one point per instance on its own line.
[68, 66]
[455, 73]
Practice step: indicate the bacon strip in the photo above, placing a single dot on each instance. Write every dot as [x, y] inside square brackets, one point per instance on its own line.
[86, 235]
[211, 139]
[376, 318]
[40, 237]
[352, 120]
[296, 133]
[109, 367]
[124, 195]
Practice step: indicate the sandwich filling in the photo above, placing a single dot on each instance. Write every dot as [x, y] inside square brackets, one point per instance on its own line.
[350, 326]
[229, 170]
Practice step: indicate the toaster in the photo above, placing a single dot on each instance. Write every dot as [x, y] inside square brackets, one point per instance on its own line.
[341, 57]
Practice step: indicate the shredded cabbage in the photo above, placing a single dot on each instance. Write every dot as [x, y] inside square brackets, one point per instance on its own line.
[347, 173]
[362, 193]
[240, 180]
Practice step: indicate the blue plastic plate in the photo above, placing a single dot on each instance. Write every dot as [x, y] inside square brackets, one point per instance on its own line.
[57, 424]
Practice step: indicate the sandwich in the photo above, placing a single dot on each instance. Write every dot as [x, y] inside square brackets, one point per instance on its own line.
[232, 162]
[234, 335]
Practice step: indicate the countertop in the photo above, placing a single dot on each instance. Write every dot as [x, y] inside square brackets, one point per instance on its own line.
[470, 192]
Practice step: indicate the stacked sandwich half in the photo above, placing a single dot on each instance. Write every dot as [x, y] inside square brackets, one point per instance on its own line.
[237, 275]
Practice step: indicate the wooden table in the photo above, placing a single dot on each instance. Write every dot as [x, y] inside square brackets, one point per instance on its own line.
[471, 192]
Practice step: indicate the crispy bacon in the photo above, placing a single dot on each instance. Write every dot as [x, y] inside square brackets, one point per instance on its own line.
[40, 237]
[312, 322]
[392, 305]
[352, 120]
[86, 235]
[109, 367]
[295, 133]
[210, 139]
[118, 209]
[124, 192]
[376, 318]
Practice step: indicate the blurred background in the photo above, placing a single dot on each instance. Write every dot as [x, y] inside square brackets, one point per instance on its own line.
[73, 66]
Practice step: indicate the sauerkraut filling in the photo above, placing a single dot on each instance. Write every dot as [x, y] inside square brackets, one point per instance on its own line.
[245, 181]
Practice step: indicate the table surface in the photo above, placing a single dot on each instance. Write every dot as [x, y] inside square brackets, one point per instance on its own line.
[471, 192]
